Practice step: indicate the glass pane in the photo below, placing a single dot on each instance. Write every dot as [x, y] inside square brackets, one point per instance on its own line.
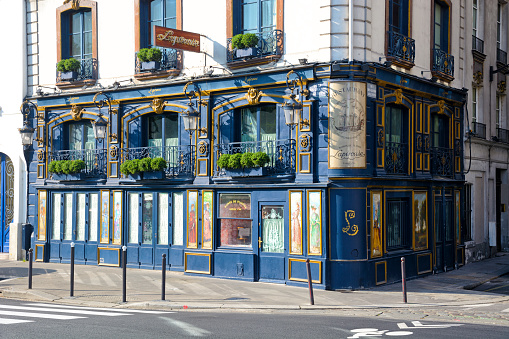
[170, 23]
[234, 205]
[74, 136]
[268, 13]
[235, 232]
[55, 229]
[87, 20]
[93, 216]
[133, 218]
[76, 46]
[178, 219]
[268, 123]
[248, 124]
[68, 216]
[449, 226]
[171, 9]
[80, 217]
[272, 229]
[117, 218]
[76, 23]
[89, 133]
[438, 217]
[162, 226]
[395, 16]
[147, 209]
[87, 39]
[156, 10]
[155, 128]
[250, 16]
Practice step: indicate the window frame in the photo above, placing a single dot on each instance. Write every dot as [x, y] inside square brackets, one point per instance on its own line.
[405, 220]
[445, 21]
[405, 4]
[475, 18]
[237, 135]
[220, 218]
[475, 102]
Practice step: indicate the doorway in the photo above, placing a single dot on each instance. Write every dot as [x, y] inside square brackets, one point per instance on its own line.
[7, 200]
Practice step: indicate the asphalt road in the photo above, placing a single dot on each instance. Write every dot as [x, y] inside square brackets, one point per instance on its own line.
[498, 285]
[22, 319]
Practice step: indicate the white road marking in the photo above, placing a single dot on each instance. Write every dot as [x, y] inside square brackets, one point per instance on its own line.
[417, 324]
[101, 308]
[506, 310]
[59, 310]
[5, 321]
[188, 328]
[40, 315]
[478, 305]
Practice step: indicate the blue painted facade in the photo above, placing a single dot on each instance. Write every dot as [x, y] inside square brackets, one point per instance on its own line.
[171, 215]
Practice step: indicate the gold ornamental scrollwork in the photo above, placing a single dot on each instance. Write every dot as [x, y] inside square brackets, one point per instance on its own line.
[305, 142]
[157, 105]
[253, 96]
[501, 87]
[441, 106]
[76, 112]
[40, 155]
[399, 96]
[419, 142]
[113, 152]
[75, 4]
[478, 78]
[351, 230]
[203, 148]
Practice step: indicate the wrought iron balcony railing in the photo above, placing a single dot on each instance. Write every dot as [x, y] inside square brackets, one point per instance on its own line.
[396, 156]
[95, 159]
[269, 43]
[400, 46]
[501, 56]
[87, 71]
[503, 135]
[477, 44]
[281, 153]
[180, 159]
[168, 61]
[442, 163]
[443, 62]
[479, 130]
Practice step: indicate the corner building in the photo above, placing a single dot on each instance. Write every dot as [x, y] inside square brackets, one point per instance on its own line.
[369, 172]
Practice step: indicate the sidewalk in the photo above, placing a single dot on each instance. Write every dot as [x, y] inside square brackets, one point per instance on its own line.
[101, 286]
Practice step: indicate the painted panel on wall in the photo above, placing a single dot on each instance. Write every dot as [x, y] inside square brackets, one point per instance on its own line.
[348, 224]
[420, 221]
[42, 215]
[347, 124]
[207, 220]
[192, 221]
[376, 225]
[314, 222]
[296, 222]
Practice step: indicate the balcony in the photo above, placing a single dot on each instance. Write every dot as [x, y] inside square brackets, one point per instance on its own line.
[443, 65]
[396, 155]
[479, 130]
[442, 163]
[281, 153]
[401, 49]
[95, 160]
[477, 44]
[86, 74]
[169, 65]
[503, 135]
[269, 48]
[180, 159]
[501, 56]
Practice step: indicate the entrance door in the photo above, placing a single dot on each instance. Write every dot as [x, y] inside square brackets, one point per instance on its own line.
[271, 242]
[444, 232]
[148, 228]
[7, 200]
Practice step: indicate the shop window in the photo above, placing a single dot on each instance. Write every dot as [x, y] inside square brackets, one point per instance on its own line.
[396, 147]
[162, 216]
[80, 216]
[56, 216]
[398, 224]
[178, 219]
[147, 211]
[132, 231]
[164, 13]
[68, 214]
[77, 38]
[235, 220]
[93, 216]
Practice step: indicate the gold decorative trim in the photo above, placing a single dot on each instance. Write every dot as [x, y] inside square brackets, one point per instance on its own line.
[441, 106]
[399, 96]
[253, 96]
[77, 112]
[75, 4]
[478, 78]
[501, 87]
[157, 105]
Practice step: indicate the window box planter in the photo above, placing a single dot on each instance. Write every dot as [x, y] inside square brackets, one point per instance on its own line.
[246, 52]
[246, 172]
[155, 175]
[68, 76]
[68, 177]
[150, 65]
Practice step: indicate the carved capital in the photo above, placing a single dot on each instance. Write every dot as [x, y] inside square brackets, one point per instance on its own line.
[76, 112]
[157, 105]
[399, 96]
[253, 96]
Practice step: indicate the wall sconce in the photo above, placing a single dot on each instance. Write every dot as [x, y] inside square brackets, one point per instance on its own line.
[191, 116]
[292, 107]
[27, 132]
[100, 124]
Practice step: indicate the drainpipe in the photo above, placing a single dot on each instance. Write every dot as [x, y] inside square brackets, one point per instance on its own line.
[350, 30]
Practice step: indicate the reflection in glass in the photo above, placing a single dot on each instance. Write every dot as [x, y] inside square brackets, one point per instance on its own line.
[93, 216]
[147, 209]
[178, 219]
[162, 225]
[80, 217]
[133, 218]
[272, 229]
[55, 229]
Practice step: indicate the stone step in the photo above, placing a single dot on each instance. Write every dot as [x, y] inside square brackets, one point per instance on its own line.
[4, 256]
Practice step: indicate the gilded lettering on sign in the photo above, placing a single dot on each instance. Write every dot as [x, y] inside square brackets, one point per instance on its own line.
[350, 230]
[168, 36]
[153, 90]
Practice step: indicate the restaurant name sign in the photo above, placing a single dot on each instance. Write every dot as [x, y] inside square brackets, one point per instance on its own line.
[175, 38]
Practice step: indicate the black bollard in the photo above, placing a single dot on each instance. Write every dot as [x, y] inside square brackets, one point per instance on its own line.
[30, 259]
[124, 271]
[403, 278]
[72, 270]
[163, 286]
[310, 282]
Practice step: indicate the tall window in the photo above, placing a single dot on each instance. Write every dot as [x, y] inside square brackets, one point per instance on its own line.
[398, 16]
[474, 104]
[441, 27]
[395, 125]
[80, 34]
[257, 123]
[163, 137]
[258, 16]
[81, 135]
[499, 26]
[439, 131]
[398, 231]
[475, 13]
[498, 111]
[160, 13]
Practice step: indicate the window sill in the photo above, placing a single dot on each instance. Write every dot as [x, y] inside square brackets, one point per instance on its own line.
[401, 62]
[443, 76]
[250, 62]
[157, 74]
[75, 84]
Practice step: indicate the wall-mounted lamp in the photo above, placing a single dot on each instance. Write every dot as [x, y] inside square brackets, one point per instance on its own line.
[387, 63]
[292, 107]
[100, 125]
[504, 69]
[191, 116]
[27, 132]
[432, 79]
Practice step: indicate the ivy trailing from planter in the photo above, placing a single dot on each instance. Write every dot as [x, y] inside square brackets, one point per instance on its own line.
[66, 166]
[130, 167]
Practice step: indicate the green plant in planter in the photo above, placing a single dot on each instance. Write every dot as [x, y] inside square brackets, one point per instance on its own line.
[68, 65]
[129, 167]
[76, 166]
[66, 166]
[158, 164]
[250, 40]
[150, 54]
[247, 160]
[237, 42]
[223, 160]
[144, 165]
[234, 161]
[52, 166]
[261, 159]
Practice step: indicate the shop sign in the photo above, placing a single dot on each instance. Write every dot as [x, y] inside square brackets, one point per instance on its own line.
[175, 38]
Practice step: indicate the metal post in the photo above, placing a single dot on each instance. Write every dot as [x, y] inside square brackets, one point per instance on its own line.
[30, 259]
[163, 270]
[124, 271]
[310, 282]
[403, 279]
[72, 270]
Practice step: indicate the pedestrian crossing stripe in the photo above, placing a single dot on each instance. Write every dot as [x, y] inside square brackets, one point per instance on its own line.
[5, 321]
[99, 308]
[59, 310]
[40, 315]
